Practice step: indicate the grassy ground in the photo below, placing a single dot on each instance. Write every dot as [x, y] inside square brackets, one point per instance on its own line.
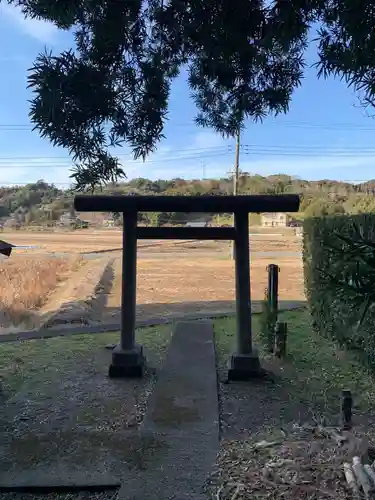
[315, 367]
[315, 371]
[28, 362]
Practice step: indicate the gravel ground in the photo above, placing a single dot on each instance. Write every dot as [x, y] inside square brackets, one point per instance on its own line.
[73, 421]
[105, 495]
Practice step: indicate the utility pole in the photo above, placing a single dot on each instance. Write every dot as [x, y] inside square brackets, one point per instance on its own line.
[203, 170]
[236, 165]
[236, 171]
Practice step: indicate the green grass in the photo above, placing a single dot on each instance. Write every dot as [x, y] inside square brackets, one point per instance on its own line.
[315, 366]
[38, 361]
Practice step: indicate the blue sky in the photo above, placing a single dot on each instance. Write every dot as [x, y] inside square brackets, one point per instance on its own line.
[325, 135]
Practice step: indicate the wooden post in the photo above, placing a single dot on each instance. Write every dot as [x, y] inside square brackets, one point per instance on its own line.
[129, 277]
[346, 408]
[242, 266]
[273, 288]
[280, 339]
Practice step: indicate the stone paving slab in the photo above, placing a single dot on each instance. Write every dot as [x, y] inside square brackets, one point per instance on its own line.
[183, 413]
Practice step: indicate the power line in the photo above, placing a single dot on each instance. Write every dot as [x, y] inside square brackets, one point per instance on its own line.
[324, 126]
[52, 164]
[312, 154]
[193, 150]
[284, 123]
[303, 147]
[29, 127]
[196, 153]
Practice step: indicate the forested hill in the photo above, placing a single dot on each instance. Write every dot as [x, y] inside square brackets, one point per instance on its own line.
[41, 201]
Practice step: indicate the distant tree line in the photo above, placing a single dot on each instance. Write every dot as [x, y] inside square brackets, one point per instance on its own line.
[43, 203]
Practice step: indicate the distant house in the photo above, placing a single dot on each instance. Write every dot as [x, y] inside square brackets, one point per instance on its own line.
[109, 222]
[13, 222]
[69, 220]
[275, 219]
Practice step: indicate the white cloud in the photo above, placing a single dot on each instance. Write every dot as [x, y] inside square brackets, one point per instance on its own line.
[207, 139]
[42, 31]
[28, 171]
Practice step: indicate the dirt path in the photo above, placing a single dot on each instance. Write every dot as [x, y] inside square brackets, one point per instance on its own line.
[78, 299]
[83, 298]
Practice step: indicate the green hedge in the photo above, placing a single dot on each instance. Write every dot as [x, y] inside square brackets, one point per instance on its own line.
[339, 267]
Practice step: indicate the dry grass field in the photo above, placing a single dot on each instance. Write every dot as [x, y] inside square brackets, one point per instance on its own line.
[204, 279]
[111, 239]
[173, 276]
[26, 282]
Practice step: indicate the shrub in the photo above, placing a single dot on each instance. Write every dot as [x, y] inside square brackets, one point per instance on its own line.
[339, 268]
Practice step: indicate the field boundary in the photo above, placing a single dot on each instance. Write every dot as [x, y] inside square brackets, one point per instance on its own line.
[84, 296]
[112, 327]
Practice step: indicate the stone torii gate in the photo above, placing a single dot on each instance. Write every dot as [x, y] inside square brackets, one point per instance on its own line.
[127, 357]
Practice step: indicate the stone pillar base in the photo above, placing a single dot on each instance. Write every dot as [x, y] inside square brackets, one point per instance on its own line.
[244, 366]
[127, 363]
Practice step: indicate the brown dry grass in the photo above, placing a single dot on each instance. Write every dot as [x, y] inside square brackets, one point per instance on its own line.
[173, 276]
[99, 240]
[201, 279]
[26, 284]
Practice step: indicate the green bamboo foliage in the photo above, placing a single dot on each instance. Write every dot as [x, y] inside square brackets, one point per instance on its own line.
[339, 266]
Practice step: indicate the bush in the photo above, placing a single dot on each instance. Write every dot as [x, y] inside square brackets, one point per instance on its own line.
[339, 267]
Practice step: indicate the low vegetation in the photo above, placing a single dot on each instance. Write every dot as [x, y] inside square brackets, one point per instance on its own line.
[315, 371]
[339, 268]
[25, 284]
[317, 368]
[296, 454]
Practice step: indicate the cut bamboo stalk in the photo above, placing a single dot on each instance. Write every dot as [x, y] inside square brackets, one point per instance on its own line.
[350, 479]
[370, 472]
[361, 476]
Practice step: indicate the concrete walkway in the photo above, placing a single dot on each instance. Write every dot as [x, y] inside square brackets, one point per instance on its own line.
[182, 413]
